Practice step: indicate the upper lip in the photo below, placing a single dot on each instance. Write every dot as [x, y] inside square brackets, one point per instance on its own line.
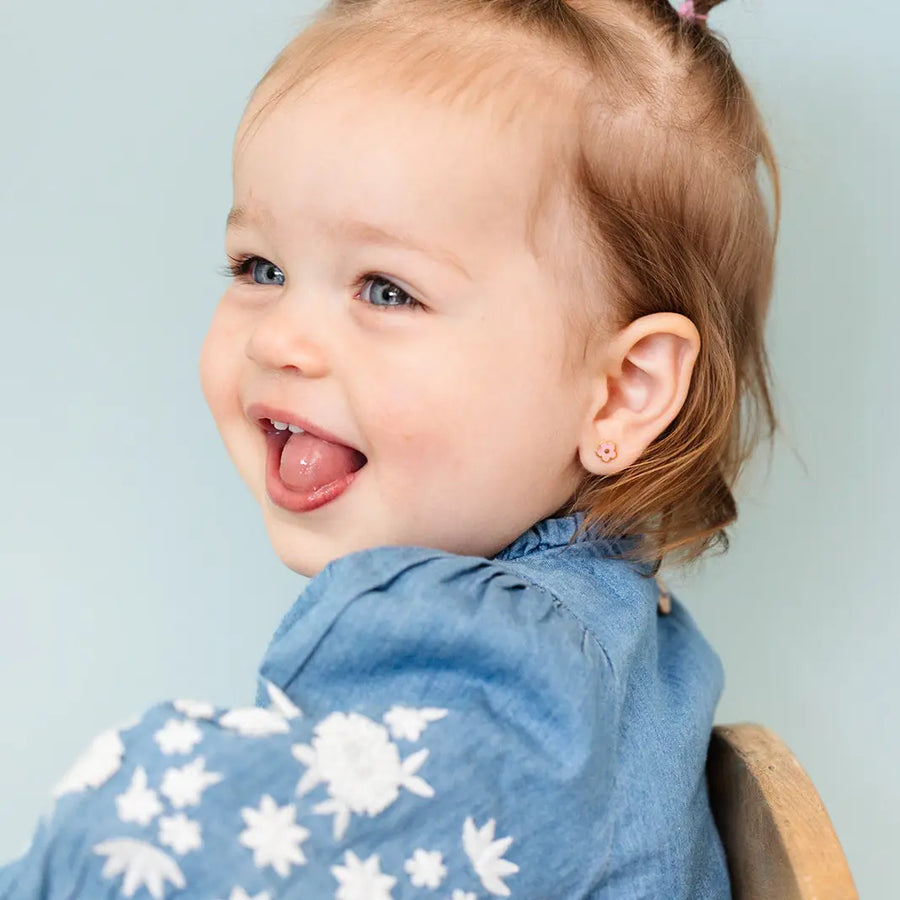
[260, 411]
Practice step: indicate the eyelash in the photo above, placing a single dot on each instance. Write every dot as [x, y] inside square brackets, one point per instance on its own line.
[241, 267]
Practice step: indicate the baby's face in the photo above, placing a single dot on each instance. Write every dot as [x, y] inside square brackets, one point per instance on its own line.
[460, 408]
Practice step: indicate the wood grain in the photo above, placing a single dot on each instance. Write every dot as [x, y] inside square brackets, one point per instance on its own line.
[778, 836]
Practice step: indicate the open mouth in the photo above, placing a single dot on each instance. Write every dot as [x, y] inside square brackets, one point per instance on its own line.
[281, 432]
[304, 471]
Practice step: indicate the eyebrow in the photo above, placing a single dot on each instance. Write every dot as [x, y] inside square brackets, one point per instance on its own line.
[357, 230]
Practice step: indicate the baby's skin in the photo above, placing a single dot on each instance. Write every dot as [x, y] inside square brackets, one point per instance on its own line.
[388, 296]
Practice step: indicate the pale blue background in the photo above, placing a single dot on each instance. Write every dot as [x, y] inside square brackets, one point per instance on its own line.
[133, 562]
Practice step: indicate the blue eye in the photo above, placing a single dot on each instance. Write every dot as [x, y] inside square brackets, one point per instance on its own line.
[384, 293]
[395, 296]
[259, 270]
[262, 269]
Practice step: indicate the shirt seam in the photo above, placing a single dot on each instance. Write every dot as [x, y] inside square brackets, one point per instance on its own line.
[558, 602]
[561, 604]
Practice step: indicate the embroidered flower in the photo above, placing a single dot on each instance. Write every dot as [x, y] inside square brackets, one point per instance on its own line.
[485, 855]
[362, 880]
[463, 895]
[139, 803]
[607, 451]
[361, 767]
[178, 736]
[96, 765]
[254, 721]
[408, 724]
[274, 836]
[195, 709]
[184, 786]
[238, 893]
[281, 703]
[180, 833]
[143, 864]
[426, 869]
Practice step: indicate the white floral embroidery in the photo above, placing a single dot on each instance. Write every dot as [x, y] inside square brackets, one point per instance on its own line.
[281, 703]
[178, 736]
[362, 880]
[184, 786]
[362, 768]
[485, 855]
[274, 836]
[180, 833]
[426, 869]
[238, 893]
[463, 895]
[195, 709]
[143, 864]
[139, 803]
[408, 724]
[254, 721]
[96, 765]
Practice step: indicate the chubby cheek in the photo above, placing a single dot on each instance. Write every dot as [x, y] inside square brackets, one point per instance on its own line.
[415, 429]
[218, 366]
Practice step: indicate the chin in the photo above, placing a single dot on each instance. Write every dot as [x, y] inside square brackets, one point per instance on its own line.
[297, 551]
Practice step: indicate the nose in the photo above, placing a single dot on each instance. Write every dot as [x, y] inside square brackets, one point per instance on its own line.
[283, 339]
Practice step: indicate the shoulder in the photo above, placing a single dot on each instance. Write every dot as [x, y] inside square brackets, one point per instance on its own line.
[380, 795]
[423, 720]
[408, 612]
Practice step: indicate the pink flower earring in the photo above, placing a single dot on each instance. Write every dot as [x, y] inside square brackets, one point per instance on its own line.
[607, 451]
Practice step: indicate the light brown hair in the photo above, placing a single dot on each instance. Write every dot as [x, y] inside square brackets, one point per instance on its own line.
[653, 141]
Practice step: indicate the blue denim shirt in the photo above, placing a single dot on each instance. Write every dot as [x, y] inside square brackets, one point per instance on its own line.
[426, 724]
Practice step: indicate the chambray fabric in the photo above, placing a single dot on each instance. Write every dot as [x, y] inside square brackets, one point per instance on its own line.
[426, 725]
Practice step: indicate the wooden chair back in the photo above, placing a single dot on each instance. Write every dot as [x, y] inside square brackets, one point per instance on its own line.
[778, 838]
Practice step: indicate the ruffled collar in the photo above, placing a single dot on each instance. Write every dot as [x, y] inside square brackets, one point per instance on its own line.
[557, 531]
[549, 533]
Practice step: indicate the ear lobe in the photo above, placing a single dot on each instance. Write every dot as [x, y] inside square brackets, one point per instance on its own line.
[646, 389]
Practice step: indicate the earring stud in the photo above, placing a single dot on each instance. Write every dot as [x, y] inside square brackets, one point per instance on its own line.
[607, 451]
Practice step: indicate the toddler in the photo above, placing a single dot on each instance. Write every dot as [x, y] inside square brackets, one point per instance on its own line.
[491, 351]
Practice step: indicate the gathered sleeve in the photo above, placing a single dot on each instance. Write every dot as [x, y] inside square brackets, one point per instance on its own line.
[426, 724]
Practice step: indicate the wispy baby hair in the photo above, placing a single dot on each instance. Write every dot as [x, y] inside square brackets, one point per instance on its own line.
[650, 202]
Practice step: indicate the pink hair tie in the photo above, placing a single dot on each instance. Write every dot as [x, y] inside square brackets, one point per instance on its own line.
[686, 11]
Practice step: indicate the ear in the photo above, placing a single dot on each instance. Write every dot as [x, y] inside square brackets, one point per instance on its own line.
[646, 374]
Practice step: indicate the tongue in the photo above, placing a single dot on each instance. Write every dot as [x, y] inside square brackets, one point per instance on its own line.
[309, 463]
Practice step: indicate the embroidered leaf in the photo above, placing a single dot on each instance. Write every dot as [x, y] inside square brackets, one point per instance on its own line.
[408, 724]
[281, 703]
[485, 855]
[195, 709]
[143, 864]
[311, 777]
[254, 721]
[96, 765]
[341, 815]
[412, 782]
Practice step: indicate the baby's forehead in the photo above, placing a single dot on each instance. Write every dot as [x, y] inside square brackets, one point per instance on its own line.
[394, 146]
[343, 96]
